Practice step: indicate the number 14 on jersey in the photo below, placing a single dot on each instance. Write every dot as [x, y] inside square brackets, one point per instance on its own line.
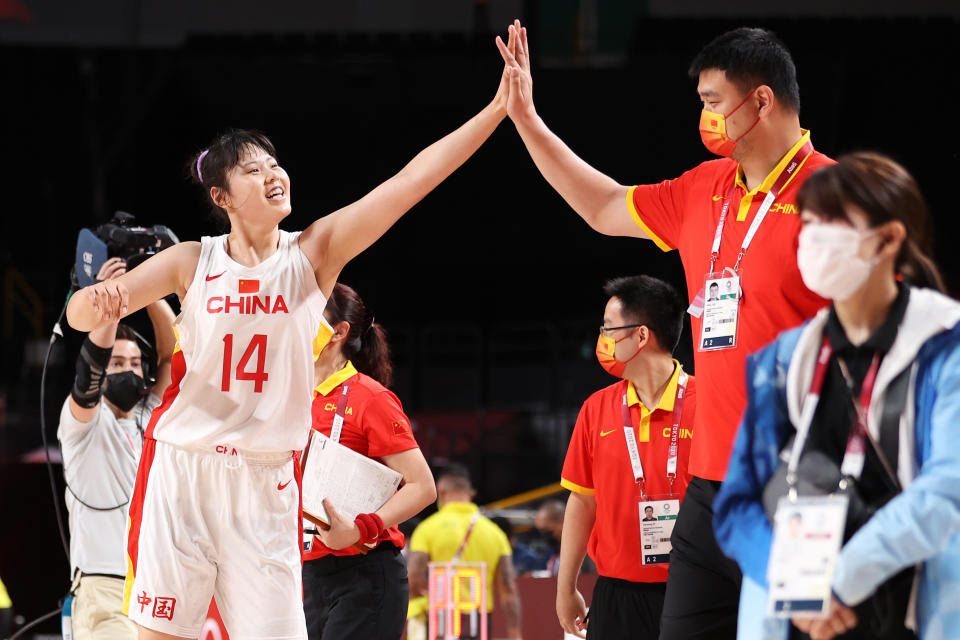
[258, 346]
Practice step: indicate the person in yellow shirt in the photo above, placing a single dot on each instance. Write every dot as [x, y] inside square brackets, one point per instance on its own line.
[439, 538]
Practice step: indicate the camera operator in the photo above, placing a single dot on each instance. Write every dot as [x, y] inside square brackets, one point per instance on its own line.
[101, 439]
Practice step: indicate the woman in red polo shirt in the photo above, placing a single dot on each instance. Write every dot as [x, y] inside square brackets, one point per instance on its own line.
[348, 594]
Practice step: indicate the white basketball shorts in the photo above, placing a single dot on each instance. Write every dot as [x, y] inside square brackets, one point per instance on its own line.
[215, 523]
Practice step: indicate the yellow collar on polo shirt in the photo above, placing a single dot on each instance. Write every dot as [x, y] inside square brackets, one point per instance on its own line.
[669, 394]
[771, 178]
[336, 379]
[462, 507]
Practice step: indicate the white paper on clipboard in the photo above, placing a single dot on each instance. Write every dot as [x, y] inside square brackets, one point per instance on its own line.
[352, 482]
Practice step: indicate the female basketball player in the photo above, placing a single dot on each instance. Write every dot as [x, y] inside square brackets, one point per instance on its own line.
[214, 512]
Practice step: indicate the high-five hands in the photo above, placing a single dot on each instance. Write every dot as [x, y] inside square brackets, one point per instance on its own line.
[517, 60]
[503, 91]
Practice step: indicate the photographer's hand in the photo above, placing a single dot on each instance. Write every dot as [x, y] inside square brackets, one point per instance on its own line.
[112, 268]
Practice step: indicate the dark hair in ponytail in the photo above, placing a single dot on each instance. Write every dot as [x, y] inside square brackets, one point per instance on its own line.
[885, 191]
[366, 344]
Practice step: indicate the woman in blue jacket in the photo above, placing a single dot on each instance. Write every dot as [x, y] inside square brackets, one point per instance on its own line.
[862, 246]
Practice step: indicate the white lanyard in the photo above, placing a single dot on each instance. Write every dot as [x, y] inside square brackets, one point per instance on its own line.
[341, 412]
[768, 201]
[673, 451]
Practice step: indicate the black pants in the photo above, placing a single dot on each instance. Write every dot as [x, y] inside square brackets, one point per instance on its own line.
[363, 597]
[623, 609]
[6, 622]
[703, 587]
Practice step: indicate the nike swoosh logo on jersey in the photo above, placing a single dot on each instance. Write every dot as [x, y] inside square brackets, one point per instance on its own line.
[209, 278]
[606, 433]
[715, 198]
[283, 485]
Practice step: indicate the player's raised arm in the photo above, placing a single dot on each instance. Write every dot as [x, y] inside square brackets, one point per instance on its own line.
[334, 240]
[599, 199]
[170, 271]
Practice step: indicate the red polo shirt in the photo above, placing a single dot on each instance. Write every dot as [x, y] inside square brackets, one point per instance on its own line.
[598, 464]
[374, 425]
[682, 214]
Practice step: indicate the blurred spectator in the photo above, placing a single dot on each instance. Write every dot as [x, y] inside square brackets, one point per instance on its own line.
[458, 529]
[539, 550]
[877, 374]
[504, 524]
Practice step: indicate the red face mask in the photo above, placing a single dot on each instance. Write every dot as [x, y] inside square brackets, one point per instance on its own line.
[713, 130]
[605, 350]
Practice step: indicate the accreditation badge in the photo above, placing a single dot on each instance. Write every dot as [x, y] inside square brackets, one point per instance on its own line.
[309, 530]
[657, 517]
[807, 535]
[721, 311]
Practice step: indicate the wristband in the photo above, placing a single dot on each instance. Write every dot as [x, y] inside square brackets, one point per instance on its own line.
[91, 369]
[370, 526]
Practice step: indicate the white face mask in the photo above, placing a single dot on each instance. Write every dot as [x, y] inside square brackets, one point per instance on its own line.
[829, 262]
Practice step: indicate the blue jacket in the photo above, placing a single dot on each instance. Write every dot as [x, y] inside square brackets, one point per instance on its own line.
[920, 526]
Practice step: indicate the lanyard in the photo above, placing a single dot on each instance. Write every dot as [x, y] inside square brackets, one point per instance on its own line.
[339, 415]
[466, 538]
[853, 456]
[792, 165]
[672, 451]
[136, 422]
[126, 435]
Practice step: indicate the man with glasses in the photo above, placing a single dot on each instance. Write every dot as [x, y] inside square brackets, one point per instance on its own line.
[626, 466]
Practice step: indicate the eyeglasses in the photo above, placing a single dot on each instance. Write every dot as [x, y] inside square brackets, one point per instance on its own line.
[605, 330]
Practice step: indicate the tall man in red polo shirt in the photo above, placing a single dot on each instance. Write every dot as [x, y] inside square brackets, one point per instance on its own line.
[626, 466]
[734, 221]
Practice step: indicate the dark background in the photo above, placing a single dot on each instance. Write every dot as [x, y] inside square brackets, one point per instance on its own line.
[490, 288]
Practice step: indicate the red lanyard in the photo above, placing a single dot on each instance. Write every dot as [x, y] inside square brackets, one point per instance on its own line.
[338, 417]
[672, 451]
[792, 165]
[466, 538]
[853, 456]
[136, 422]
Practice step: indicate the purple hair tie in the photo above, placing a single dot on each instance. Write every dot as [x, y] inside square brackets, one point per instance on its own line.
[199, 160]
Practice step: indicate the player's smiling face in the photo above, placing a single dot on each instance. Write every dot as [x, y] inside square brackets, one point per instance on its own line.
[258, 187]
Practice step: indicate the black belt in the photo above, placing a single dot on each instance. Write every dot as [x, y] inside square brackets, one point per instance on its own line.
[331, 563]
[83, 574]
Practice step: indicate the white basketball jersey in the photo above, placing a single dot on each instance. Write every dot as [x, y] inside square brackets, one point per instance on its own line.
[243, 369]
